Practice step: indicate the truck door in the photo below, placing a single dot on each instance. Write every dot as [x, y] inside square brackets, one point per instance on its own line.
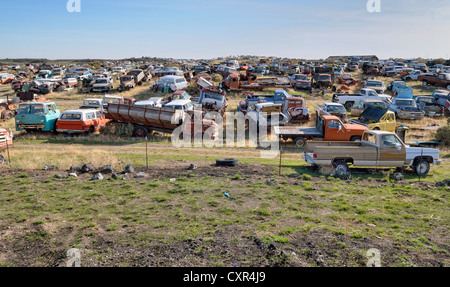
[335, 131]
[392, 151]
[390, 122]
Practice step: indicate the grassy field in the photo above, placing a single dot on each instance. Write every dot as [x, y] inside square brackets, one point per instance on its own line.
[288, 216]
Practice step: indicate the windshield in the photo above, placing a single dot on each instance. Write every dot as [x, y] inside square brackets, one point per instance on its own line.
[214, 96]
[90, 103]
[166, 81]
[336, 109]
[408, 103]
[31, 109]
[101, 81]
[127, 79]
[302, 78]
[374, 84]
[324, 78]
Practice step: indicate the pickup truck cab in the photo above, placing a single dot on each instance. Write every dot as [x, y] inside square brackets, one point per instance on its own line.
[81, 121]
[376, 85]
[438, 80]
[38, 116]
[328, 128]
[333, 109]
[412, 76]
[348, 100]
[377, 149]
[406, 109]
[300, 81]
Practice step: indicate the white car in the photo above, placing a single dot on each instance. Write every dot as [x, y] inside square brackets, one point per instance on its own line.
[175, 83]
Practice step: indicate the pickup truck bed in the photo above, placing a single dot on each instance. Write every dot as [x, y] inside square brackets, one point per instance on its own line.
[292, 132]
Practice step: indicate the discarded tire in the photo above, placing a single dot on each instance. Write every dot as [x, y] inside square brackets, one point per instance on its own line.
[227, 162]
[341, 169]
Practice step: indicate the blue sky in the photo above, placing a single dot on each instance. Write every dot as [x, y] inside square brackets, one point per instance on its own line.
[312, 29]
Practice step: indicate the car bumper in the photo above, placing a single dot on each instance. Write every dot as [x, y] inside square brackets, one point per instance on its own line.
[308, 159]
[437, 162]
[23, 126]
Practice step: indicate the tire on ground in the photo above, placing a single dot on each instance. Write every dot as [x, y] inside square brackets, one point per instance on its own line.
[227, 162]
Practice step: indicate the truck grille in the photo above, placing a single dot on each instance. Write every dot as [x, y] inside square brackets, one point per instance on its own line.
[2, 138]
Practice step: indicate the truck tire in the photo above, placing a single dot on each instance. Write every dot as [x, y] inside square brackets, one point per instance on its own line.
[341, 169]
[300, 142]
[425, 83]
[355, 138]
[227, 162]
[140, 132]
[448, 87]
[7, 114]
[348, 105]
[421, 167]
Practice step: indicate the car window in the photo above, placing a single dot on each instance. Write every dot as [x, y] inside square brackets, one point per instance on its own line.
[389, 140]
[97, 114]
[333, 124]
[369, 138]
[71, 116]
[90, 116]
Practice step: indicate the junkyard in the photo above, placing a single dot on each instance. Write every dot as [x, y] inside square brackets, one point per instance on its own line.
[90, 159]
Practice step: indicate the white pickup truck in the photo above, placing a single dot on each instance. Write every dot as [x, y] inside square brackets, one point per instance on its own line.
[377, 149]
[348, 100]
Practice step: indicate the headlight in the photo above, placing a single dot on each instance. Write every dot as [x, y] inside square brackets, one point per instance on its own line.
[42, 121]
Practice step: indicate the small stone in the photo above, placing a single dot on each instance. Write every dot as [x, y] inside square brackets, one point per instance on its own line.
[97, 176]
[114, 176]
[49, 167]
[270, 181]
[398, 176]
[128, 169]
[107, 168]
[87, 168]
[58, 175]
[192, 167]
[73, 175]
[172, 179]
[140, 175]
[75, 168]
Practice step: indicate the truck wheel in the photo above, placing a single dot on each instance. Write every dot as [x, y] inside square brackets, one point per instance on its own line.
[91, 130]
[348, 105]
[376, 129]
[300, 142]
[355, 138]
[421, 167]
[448, 87]
[341, 168]
[140, 132]
[425, 83]
[227, 162]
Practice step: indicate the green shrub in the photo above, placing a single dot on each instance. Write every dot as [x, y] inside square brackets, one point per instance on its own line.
[217, 78]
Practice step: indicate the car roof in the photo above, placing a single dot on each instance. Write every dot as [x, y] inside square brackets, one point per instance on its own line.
[80, 111]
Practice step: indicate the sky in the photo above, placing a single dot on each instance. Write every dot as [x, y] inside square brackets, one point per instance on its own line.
[203, 29]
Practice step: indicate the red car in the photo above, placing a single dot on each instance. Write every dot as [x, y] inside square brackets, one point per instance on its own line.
[81, 121]
[16, 85]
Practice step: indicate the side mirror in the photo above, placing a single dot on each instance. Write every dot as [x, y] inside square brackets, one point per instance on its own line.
[398, 146]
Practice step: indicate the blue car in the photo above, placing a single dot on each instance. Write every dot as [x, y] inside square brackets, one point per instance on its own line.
[400, 90]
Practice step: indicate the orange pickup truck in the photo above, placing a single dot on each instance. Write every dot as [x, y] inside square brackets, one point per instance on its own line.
[328, 128]
[80, 121]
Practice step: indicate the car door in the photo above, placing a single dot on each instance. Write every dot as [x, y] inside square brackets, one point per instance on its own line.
[392, 151]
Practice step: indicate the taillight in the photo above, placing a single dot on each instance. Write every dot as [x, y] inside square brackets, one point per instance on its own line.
[315, 155]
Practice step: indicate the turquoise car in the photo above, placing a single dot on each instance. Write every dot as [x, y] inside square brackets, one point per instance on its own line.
[37, 116]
